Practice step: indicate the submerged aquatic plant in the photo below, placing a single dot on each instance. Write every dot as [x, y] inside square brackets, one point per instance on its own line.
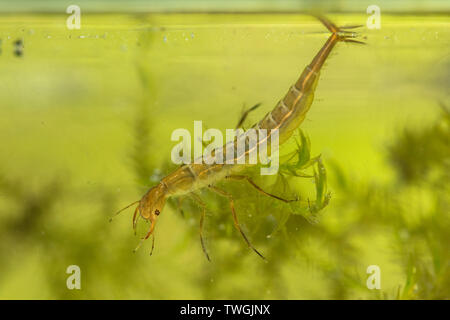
[430, 145]
[262, 216]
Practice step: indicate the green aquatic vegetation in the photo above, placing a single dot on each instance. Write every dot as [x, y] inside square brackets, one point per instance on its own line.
[412, 210]
[297, 165]
[423, 161]
[430, 146]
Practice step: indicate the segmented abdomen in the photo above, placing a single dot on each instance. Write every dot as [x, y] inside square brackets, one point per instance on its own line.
[291, 110]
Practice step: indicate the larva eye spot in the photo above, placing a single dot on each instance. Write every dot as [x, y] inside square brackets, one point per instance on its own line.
[157, 212]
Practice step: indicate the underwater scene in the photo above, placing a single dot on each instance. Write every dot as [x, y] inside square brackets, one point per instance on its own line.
[91, 107]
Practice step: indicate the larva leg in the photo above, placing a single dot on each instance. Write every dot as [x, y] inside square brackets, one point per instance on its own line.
[245, 114]
[153, 244]
[253, 184]
[179, 206]
[149, 233]
[235, 219]
[202, 218]
[135, 219]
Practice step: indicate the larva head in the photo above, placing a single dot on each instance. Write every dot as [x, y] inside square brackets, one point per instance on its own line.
[152, 203]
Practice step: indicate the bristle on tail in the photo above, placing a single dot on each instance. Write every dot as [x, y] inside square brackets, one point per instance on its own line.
[328, 24]
[344, 35]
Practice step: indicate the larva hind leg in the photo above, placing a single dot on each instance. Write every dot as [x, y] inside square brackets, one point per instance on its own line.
[235, 219]
[245, 114]
[202, 218]
[260, 190]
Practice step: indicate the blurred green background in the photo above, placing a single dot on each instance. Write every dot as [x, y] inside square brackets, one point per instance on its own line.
[85, 123]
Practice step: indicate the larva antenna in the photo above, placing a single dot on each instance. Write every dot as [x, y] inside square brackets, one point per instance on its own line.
[117, 213]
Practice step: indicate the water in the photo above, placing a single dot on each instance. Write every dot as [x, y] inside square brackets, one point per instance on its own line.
[87, 115]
